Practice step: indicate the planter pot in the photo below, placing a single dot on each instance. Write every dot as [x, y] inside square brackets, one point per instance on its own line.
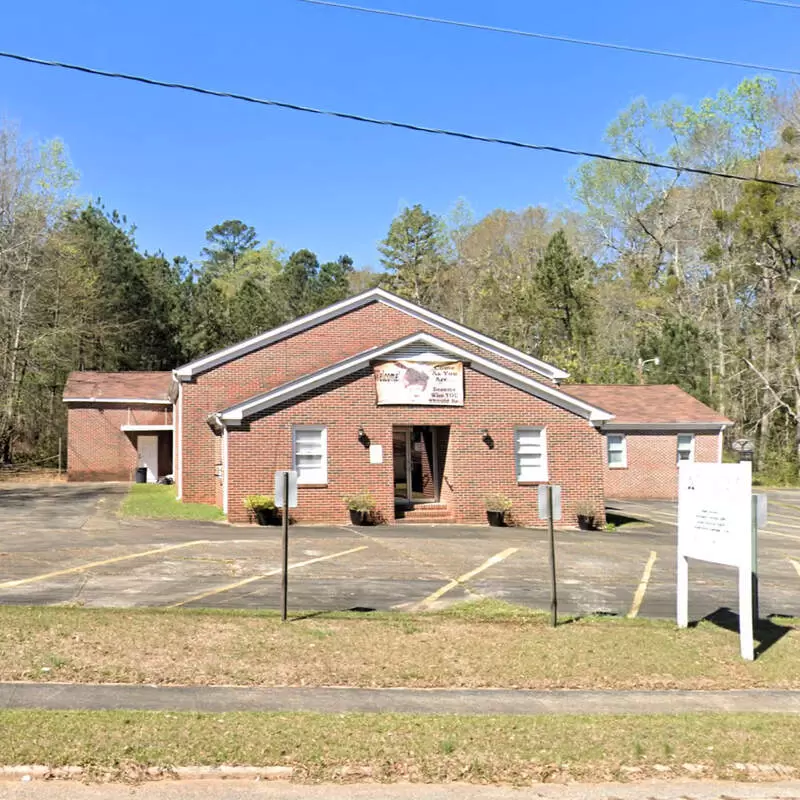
[266, 516]
[359, 517]
[497, 519]
[586, 523]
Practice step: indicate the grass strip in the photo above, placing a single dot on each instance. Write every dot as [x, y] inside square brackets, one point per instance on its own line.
[392, 747]
[485, 644]
[154, 501]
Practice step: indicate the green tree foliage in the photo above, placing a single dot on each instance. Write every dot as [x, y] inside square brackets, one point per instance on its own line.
[699, 271]
[227, 243]
[414, 256]
[562, 283]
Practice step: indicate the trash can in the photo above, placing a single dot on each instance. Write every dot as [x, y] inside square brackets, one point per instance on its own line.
[141, 475]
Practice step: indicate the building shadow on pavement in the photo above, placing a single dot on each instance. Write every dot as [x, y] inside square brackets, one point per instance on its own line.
[766, 633]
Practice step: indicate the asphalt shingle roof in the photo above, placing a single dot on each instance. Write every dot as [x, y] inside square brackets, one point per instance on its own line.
[651, 404]
[119, 385]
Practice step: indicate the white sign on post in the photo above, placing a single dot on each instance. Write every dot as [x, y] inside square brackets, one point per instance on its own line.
[279, 488]
[715, 524]
[544, 502]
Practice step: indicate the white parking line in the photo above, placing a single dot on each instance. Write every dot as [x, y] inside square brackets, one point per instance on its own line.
[796, 565]
[269, 574]
[93, 564]
[432, 598]
[638, 597]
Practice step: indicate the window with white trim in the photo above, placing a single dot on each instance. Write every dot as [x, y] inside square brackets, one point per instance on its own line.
[531, 453]
[685, 447]
[617, 446]
[310, 453]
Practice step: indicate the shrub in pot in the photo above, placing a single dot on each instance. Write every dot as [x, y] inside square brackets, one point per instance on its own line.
[262, 508]
[586, 515]
[361, 506]
[497, 506]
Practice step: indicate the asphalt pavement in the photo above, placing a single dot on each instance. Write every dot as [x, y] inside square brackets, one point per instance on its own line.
[65, 545]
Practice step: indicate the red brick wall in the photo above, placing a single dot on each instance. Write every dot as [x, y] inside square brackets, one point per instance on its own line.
[471, 469]
[97, 450]
[652, 471]
[257, 372]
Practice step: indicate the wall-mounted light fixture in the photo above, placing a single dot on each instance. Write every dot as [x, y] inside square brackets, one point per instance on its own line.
[362, 436]
[487, 438]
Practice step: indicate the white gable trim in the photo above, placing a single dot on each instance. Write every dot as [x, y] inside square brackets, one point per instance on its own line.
[187, 371]
[238, 413]
[682, 427]
[131, 401]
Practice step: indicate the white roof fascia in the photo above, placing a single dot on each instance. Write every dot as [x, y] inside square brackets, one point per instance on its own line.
[486, 342]
[129, 400]
[236, 414]
[688, 427]
[186, 371]
[142, 428]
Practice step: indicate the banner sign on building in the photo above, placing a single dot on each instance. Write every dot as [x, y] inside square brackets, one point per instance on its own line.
[420, 383]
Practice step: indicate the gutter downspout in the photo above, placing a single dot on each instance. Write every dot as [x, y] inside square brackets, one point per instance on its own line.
[225, 470]
[178, 441]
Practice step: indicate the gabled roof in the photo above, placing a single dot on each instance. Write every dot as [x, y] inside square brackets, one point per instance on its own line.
[365, 298]
[650, 407]
[288, 391]
[118, 387]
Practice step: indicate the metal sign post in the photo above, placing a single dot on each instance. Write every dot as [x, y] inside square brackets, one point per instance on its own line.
[550, 509]
[285, 561]
[285, 498]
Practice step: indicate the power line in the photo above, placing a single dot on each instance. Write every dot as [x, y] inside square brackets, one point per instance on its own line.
[782, 3]
[472, 137]
[555, 38]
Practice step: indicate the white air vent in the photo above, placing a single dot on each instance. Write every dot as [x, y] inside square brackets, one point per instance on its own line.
[420, 352]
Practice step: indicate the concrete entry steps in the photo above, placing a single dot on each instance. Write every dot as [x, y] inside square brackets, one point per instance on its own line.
[424, 512]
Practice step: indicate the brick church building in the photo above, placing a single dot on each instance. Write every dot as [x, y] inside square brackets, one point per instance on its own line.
[376, 393]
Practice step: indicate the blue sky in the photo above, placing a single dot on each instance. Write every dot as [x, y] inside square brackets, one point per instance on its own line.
[176, 164]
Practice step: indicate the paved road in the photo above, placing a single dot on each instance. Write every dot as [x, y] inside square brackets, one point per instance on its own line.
[65, 545]
[263, 790]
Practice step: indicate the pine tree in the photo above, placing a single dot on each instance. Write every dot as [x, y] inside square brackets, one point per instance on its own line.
[414, 256]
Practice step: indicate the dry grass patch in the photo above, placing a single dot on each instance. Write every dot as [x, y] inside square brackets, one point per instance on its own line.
[472, 646]
[392, 747]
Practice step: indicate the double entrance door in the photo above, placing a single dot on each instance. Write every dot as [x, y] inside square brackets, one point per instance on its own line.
[414, 454]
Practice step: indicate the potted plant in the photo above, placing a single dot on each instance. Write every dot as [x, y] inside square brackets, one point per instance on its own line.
[262, 508]
[586, 515]
[361, 506]
[497, 506]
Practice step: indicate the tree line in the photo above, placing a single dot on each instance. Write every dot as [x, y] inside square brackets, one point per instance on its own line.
[698, 272]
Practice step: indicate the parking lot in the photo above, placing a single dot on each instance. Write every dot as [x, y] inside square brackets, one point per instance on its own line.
[64, 544]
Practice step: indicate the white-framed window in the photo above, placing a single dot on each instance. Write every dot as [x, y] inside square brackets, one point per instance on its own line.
[685, 447]
[617, 446]
[530, 445]
[310, 453]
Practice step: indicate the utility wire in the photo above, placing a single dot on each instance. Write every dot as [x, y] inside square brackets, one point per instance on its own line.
[555, 38]
[782, 3]
[472, 137]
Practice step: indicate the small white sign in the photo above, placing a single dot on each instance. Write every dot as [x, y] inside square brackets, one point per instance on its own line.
[715, 524]
[761, 510]
[544, 502]
[376, 454]
[279, 481]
